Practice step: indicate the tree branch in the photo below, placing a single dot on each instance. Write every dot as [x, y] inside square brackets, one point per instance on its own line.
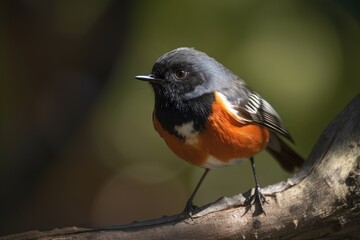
[321, 201]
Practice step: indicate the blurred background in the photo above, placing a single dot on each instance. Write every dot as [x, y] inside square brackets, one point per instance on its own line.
[77, 143]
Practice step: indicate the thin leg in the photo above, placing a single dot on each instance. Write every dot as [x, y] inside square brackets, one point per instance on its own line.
[189, 208]
[257, 198]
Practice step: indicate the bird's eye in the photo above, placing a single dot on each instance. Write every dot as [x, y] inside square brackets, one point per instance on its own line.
[180, 74]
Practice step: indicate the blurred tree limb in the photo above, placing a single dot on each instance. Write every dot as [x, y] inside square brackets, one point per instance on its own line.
[321, 201]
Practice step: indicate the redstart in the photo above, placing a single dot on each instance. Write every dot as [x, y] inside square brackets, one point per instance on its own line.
[209, 117]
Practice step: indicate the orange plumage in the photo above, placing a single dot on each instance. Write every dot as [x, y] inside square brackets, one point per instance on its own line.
[225, 138]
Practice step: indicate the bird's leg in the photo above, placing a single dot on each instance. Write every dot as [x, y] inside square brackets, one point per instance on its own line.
[257, 198]
[190, 207]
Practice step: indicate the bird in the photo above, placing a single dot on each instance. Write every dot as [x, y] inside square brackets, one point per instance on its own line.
[210, 117]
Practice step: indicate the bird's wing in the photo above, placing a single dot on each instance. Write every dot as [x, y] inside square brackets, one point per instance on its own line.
[252, 108]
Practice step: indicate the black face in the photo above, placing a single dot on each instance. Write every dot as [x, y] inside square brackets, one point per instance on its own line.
[181, 72]
[179, 78]
[182, 82]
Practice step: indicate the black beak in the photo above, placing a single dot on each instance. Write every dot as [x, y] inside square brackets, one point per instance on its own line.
[149, 78]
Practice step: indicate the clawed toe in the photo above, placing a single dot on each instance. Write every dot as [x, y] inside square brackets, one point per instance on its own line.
[257, 199]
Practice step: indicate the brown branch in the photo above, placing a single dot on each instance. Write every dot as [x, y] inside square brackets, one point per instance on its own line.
[321, 201]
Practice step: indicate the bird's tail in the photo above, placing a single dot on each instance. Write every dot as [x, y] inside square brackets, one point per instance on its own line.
[287, 157]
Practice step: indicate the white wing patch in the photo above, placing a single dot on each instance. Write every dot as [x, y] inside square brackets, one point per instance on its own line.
[253, 104]
[187, 131]
[229, 106]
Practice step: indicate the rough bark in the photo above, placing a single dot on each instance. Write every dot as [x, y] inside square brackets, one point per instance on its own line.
[321, 201]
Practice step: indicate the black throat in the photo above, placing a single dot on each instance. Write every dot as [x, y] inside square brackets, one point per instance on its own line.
[175, 112]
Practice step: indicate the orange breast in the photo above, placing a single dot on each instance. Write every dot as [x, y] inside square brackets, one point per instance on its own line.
[225, 138]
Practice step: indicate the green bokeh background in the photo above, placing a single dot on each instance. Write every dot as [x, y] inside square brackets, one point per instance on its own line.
[112, 167]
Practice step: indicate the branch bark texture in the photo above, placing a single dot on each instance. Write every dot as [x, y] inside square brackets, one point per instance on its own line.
[321, 201]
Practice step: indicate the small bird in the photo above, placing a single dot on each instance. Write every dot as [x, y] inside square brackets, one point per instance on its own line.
[209, 117]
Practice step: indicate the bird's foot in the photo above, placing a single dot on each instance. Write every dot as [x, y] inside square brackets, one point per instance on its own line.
[257, 199]
[188, 211]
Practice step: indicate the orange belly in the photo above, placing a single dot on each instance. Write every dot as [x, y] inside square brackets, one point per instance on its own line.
[224, 139]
